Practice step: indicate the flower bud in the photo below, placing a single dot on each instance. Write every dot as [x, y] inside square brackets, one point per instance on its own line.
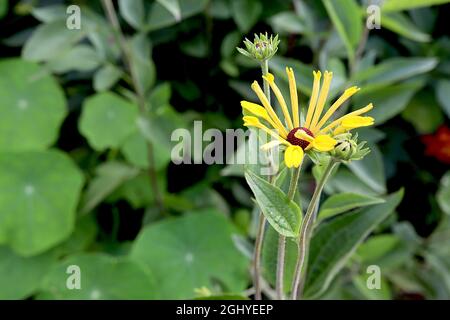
[348, 149]
[262, 47]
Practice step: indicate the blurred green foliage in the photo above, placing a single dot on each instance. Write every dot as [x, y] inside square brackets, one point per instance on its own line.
[78, 123]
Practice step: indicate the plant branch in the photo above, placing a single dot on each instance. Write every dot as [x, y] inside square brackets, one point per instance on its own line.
[308, 223]
[262, 220]
[282, 239]
[128, 60]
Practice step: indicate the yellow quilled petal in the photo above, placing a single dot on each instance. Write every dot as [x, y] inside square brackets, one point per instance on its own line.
[254, 108]
[294, 97]
[272, 144]
[271, 79]
[344, 97]
[353, 122]
[258, 111]
[313, 99]
[323, 143]
[300, 134]
[251, 121]
[293, 156]
[322, 97]
[265, 102]
[339, 121]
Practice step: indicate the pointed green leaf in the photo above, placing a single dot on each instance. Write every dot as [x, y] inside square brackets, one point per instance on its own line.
[133, 12]
[343, 202]
[347, 19]
[397, 5]
[283, 214]
[335, 241]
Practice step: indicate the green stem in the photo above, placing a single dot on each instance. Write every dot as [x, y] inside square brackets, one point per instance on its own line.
[261, 221]
[305, 232]
[265, 70]
[282, 240]
[257, 257]
[128, 59]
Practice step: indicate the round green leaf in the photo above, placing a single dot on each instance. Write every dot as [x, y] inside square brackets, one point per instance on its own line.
[19, 276]
[190, 252]
[135, 151]
[107, 120]
[101, 277]
[32, 106]
[38, 196]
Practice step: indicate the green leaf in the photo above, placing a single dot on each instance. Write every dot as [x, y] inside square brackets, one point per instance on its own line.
[395, 69]
[107, 120]
[347, 20]
[138, 191]
[30, 120]
[288, 22]
[160, 17]
[82, 237]
[401, 24]
[173, 7]
[196, 46]
[443, 95]
[109, 176]
[106, 77]
[49, 40]
[246, 13]
[443, 194]
[142, 63]
[371, 170]
[135, 150]
[19, 276]
[397, 5]
[50, 13]
[384, 293]
[376, 247]
[102, 277]
[133, 12]
[229, 44]
[100, 34]
[335, 241]
[387, 101]
[283, 214]
[79, 58]
[269, 258]
[346, 181]
[343, 202]
[424, 113]
[38, 201]
[160, 96]
[189, 252]
[3, 8]
[158, 127]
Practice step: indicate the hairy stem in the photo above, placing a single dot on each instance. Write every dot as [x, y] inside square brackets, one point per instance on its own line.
[262, 220]
[305, 231]
[128, 60]
[282, 239]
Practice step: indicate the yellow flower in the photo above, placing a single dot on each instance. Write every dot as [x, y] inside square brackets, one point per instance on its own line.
[312, 133]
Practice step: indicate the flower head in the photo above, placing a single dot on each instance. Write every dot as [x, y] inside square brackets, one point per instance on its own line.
[315, 132]
[263, 47]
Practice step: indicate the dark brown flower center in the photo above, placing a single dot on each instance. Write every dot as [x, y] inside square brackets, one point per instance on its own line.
[292, 139]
